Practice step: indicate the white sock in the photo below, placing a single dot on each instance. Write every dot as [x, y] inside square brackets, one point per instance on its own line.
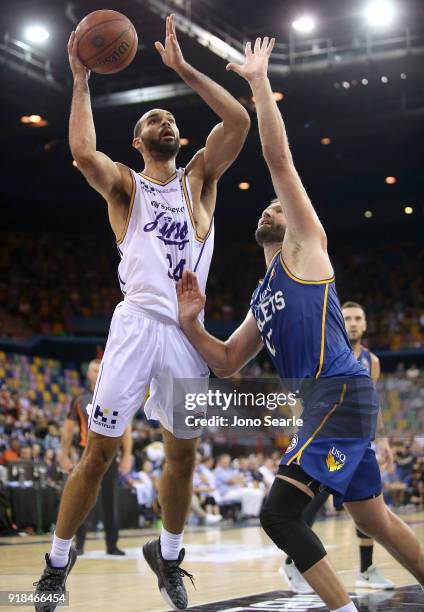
[59, 554]
[170, 544]
[350, 607]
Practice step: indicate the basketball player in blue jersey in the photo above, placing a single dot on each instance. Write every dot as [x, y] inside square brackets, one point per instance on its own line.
[163, 221]
[369, 576]
[295, 313]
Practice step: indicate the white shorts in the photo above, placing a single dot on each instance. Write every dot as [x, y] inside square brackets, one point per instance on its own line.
[143, 353]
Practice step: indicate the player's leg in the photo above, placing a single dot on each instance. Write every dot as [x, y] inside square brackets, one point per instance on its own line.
[176, 486]
[82, 488]
[282, 519]
[374, 518]
[182, 372]
[123, 378]
[369, 576]
[288, 569]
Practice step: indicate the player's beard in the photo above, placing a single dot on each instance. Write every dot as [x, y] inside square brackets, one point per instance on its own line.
[267, 234]
[162, 149]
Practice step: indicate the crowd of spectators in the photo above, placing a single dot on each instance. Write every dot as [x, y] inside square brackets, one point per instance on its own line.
[232, 477]
[50, 280]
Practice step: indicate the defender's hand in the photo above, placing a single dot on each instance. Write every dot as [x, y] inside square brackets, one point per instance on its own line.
[191, 300]
[171, 53]
[256, 62]
[77, 67]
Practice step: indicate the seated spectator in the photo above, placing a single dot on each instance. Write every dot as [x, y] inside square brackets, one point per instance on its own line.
[205, 495]
[232, 487]
[394, 490]
[268, 471]
[11, 454]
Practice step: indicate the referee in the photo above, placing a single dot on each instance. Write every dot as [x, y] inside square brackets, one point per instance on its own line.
[79, 413]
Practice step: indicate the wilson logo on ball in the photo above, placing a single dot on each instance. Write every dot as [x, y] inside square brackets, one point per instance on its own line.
[115, 56]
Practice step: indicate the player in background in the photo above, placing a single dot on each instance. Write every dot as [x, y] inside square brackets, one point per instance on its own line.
[295, 313]
[163, 222]
[369, 576]
[356, 326]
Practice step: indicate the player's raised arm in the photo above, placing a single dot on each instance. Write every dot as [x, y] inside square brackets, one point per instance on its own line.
[227, 138]
[224, 358]
[302, 221]
[111, 180]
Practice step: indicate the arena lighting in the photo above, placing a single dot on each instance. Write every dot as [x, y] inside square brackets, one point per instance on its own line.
[364, 81]
[74, 163]
[368, 214]
[244, 186]
[408, 210]
[36, 34]
[390, 180]
[34, 121]
[304, 24]
[380, 13]
[184, 142]
[346, 84]
[278, 96]
[384, 79]
[402, 76]
[325, 140]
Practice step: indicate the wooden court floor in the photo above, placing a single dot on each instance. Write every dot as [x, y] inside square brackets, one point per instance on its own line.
[226, 562]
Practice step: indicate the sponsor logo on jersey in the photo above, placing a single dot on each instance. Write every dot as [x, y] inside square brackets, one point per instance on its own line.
[170, 232]
[171, 209]
[152, 189]
[335, 460]
[293, 443]
[102, 416]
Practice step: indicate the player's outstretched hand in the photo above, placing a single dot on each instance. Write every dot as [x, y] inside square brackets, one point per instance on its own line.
[171, 53]
[77, 67]
[256, 62]
[191, 300]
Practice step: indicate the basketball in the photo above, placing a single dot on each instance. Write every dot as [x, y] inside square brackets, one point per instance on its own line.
[107, 41]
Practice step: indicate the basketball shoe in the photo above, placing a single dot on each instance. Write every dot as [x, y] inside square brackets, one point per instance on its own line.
[169, 573]
[53, 581]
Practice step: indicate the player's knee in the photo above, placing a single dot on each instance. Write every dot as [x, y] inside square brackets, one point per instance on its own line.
[281, 518]
[96, 460]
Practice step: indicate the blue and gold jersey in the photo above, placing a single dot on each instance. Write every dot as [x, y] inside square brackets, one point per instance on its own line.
[302, 326]
[365, 359]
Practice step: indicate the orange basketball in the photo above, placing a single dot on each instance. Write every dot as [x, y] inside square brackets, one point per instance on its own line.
[106, 41]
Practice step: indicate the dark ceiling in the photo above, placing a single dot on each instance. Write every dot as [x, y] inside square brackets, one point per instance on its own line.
[375, 130]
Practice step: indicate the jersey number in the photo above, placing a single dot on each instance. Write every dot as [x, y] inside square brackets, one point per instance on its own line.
[269, 344]
[175, 273]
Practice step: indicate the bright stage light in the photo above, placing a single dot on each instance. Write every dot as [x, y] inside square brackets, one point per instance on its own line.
[304, 24]
[36, 34]
[380, 13]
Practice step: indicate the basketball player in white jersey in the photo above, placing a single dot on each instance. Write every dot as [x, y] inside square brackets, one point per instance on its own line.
[163, 222]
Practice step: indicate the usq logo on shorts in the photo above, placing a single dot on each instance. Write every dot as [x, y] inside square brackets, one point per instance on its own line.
[101, 417]
[293, 443]
[335, 459]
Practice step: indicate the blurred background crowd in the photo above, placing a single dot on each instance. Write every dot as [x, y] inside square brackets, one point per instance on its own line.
[232, 474]
[41, 294]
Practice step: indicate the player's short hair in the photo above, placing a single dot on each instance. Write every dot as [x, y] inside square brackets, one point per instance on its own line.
[274, 201]
[137, 128]
[353, 305]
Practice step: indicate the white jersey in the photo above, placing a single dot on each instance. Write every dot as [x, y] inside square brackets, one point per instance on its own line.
[160, 241]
